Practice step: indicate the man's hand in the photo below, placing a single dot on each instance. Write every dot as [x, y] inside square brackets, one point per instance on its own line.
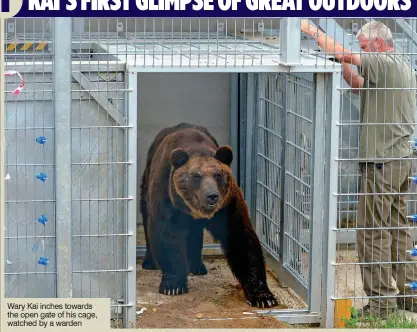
[352, 78]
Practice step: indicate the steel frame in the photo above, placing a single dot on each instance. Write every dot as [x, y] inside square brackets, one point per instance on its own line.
[63, 182]
[100, 98]
[129, 313]
[325, 71]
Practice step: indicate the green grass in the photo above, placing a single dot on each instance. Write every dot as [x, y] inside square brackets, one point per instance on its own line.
[398, 320]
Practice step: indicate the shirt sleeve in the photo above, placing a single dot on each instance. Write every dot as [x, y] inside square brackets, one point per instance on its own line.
[372, 67]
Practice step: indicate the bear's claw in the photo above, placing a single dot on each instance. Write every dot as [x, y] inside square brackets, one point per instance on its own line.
[176, 291]
[198, 270]
[263, 300]
[173, 286]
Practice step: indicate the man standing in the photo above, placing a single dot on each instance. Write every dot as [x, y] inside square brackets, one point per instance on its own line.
[386, 84]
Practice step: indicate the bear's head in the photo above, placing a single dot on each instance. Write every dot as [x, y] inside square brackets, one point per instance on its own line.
[203, 182]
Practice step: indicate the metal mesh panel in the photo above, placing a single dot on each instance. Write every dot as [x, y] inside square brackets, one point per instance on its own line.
[99, 181]
[29, 117]
[269, 160]
[101, 199]
[299, 132]
[188, 42]
[375, 234]
[284, 169]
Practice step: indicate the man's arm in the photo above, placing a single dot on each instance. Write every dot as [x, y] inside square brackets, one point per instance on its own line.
[353, 79]
[329, 45]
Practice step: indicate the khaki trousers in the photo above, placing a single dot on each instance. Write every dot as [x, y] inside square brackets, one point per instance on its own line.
[382, 204]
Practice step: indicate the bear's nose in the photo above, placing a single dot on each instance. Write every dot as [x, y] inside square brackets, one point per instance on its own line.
[212, 198]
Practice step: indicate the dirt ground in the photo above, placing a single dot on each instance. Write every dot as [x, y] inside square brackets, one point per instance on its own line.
[214, 301]
[219, 303]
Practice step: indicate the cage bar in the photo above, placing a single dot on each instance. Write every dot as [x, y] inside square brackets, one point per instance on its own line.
[63, 184]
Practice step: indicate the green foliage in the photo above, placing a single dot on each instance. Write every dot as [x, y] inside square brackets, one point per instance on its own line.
[354, 321]
[398, 320]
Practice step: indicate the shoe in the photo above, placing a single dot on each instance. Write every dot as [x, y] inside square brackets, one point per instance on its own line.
[367, 311]
[410, 305]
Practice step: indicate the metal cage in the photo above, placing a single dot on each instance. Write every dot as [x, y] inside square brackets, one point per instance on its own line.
[284, 123]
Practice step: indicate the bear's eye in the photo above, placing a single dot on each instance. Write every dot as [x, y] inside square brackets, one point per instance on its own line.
[218, 176]
[195, 176]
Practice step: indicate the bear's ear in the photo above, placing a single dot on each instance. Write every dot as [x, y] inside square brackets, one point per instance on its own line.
[224, 154]
[178, 157]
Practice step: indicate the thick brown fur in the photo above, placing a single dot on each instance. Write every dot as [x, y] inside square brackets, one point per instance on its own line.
[188, 186]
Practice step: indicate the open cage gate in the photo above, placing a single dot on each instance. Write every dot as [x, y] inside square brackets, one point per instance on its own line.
[290, 182]
[72, 194]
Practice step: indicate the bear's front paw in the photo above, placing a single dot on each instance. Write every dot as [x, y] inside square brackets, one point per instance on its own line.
[198, 269]
[173, 285]
[262, 299]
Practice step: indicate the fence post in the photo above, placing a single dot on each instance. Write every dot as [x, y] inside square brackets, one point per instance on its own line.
[129, 312]
[62, 104]
[332, 100]
[317, 197]
[290, 40]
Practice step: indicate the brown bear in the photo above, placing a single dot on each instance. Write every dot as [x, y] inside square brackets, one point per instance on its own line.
[188, 186]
